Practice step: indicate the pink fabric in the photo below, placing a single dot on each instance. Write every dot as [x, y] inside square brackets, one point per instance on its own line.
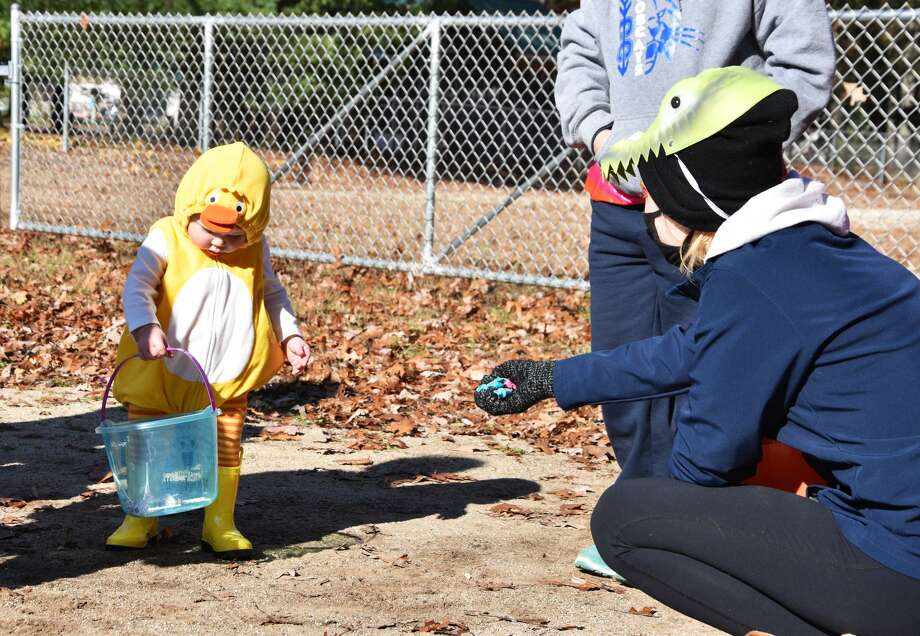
[602, 190]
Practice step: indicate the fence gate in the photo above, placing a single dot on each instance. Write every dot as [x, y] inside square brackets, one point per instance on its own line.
[421, 143]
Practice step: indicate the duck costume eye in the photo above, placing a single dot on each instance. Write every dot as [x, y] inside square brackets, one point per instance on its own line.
[226, 186]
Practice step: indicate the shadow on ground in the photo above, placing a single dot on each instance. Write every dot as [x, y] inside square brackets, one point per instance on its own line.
[57, 458]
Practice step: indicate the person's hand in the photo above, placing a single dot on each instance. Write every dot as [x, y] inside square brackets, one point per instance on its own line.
[599, 140]
[530, 382]
[151, 342]
[297, 352]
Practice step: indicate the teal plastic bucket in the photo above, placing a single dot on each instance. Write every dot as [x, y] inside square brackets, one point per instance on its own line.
[165, 465]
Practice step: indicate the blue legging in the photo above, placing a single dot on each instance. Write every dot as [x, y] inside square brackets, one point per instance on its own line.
[630, 279]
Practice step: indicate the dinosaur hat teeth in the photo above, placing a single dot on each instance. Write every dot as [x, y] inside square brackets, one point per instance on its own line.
[692, 110]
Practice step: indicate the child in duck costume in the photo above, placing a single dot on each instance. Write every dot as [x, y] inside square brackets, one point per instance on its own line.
[203, 282]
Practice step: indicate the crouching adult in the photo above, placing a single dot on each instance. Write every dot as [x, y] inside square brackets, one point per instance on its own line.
[806, 335]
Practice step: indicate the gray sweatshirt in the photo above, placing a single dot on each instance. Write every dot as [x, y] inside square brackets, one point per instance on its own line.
[619, 57]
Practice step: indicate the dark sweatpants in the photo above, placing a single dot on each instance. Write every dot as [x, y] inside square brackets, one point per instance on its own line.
[749, 557]
[629, 278]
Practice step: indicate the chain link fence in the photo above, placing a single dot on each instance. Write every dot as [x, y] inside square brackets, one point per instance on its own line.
[428, 143]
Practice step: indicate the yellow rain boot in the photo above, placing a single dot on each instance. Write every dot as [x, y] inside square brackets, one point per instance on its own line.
[219, 534]
[133, 533]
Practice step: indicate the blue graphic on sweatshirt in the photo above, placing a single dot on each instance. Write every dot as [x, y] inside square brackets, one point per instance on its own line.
[626, 44]
[647, 36]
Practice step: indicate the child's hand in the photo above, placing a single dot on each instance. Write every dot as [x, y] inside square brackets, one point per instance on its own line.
[151, 341]
[297, 352]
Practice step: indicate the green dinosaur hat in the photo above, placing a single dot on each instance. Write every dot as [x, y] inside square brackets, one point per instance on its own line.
[694, 109]
[716, 142]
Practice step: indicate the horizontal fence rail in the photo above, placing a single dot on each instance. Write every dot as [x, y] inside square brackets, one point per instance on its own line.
[427, 144]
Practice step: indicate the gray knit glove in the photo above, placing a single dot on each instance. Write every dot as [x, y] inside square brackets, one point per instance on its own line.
[515, 386]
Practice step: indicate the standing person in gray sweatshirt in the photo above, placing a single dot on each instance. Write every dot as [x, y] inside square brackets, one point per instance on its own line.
[617, 60]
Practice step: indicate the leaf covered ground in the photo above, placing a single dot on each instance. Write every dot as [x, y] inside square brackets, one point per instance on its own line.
[399, 354]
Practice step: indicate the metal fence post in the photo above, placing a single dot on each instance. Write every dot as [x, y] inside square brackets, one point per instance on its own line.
[432, 152]
[65, 135]
[15, 115]
[204, 117]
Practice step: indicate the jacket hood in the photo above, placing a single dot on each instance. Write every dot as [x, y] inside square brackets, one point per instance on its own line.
[796, 200]
[234, 169]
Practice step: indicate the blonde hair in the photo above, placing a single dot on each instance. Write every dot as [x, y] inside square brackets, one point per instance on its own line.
[693, 253]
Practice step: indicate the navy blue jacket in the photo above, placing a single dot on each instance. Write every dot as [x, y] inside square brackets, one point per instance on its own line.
[806, 336]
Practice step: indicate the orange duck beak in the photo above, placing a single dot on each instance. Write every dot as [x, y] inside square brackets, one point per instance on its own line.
[219, 219]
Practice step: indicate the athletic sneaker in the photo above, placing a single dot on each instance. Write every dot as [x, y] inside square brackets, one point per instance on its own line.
[589, 560]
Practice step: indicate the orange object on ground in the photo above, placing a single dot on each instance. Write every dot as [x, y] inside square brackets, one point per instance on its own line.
[784, 468]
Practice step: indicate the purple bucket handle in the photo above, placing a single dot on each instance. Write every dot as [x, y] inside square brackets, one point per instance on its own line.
[204, 378]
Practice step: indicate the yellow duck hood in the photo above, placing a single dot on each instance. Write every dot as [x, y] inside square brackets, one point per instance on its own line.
[232, 169]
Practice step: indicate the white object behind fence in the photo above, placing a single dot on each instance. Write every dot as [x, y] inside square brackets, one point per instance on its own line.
[422, 143]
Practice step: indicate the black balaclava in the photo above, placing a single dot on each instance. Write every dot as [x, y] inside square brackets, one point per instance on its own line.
[740, 161]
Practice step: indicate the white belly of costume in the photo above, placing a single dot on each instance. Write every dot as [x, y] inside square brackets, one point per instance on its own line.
[212, 320]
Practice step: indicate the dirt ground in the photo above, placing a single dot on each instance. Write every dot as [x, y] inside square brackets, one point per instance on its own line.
[387, 503]
[342, 549]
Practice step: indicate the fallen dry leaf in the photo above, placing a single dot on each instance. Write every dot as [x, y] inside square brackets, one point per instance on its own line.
[433, 477]
[442, 627]
[280, 433]
[291, 573]
[494, 586]
[400, 561]
[584, 585]
[650, 612]
[443, 477]
[568, 510]
[594, 451]
[357, 461]
[365, 441]
[9, 502]
[408, 338]
[504, 509]
[528, 620]
[564, 493]
[403, 427]
[289, 430]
